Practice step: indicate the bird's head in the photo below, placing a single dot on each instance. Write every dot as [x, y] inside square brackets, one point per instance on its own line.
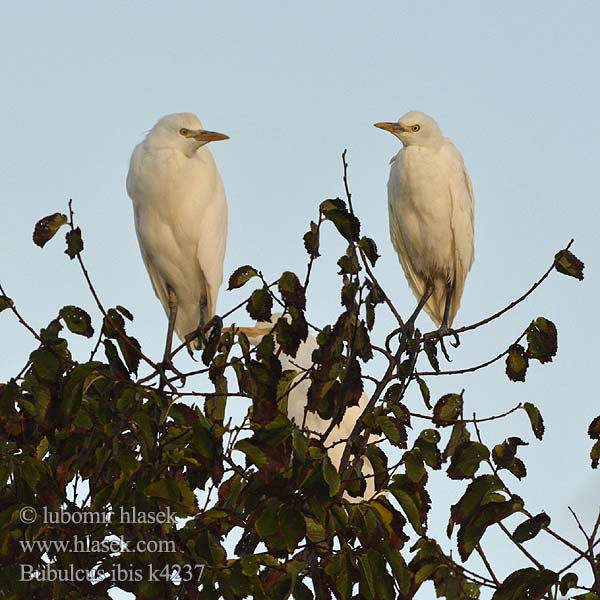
[413, 128]
[182, 131]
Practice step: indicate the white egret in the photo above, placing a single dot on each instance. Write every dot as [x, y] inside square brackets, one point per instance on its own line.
[180, 214]
[431, 212]
[297, 400]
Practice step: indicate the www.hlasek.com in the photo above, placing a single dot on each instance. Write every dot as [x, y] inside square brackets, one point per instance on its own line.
[175, 573]
[85, 544]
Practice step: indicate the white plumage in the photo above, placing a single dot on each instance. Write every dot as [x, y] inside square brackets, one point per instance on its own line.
[180, 214]
[297, 399]
[431, 212]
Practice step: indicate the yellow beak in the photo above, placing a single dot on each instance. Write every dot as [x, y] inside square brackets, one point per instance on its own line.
[391, 127]
[208, 136]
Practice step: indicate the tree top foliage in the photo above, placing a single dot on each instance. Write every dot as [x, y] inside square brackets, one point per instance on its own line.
[261, 511]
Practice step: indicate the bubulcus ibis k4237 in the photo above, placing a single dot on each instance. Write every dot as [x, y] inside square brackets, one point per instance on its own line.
[431, 212]
[180, 214]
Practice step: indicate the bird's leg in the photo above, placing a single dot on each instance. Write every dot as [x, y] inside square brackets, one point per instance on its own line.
[172, 300]
[410, 324]
[198, 334]
[167, 362]
[444, 329]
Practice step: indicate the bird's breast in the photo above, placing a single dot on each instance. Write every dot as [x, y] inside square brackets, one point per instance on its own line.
[420, 209]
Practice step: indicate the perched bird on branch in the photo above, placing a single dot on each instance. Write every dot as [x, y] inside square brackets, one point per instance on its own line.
[431, 212]
[180, 214]
[297, 401]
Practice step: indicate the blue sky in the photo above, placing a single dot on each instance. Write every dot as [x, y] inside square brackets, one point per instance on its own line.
[513, 84]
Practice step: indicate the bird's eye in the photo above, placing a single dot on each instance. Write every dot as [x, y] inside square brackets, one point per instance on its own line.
[184, 132]
[416, 128]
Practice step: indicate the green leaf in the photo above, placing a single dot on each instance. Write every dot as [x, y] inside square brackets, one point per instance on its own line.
[260, 304]
[595, 455]
[267, 523]
[531, 527]
[447, 409]
[311, 240]
[367, 587]
[568, 581]
[113, 324]
[567, 263]
[427, 444]
[253, 453]
[287, 337]
[535, 418]
[488, 514]
[415, 469]
[409, 506]
[594, 429]
[5, 302]
[240, 276]
[46, 364]
[77, 320]
[340, 569]
[431, 352]
[332, 204]
[331, 476]
[127, 314]
[425, 393]
[74, 243]
[504, 456]
[369, 247]
[346, 223]
[542, 340]
[118, 369]
[300, 443]
[348, 263]
[517, 363]
[526, 583]
[466, 460]
[477, 491]
[315, 532]
[46, 228]
[128, 462]
[459, 435]
[131, 351]
[292, 526]
[393, 429]
[291, 290]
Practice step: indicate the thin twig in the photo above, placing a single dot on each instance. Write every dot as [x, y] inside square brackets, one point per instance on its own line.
[21, 320]
[360, 250]
[487, 564]
[487, 363]
[509, 306]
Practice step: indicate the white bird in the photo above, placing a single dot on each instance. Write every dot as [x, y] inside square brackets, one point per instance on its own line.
[297, 400]
[431, 212]
[180, 213]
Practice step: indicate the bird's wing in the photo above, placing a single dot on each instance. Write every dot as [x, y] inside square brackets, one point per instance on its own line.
[416, 282]
[158, 283]
[212, 239]
[462, 223]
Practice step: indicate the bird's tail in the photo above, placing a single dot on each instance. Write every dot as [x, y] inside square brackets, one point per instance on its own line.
[437, 303]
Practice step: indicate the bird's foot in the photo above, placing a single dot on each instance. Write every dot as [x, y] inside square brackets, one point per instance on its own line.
[440, 334]
[196, 340]
[409, 328]
[167, 365]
